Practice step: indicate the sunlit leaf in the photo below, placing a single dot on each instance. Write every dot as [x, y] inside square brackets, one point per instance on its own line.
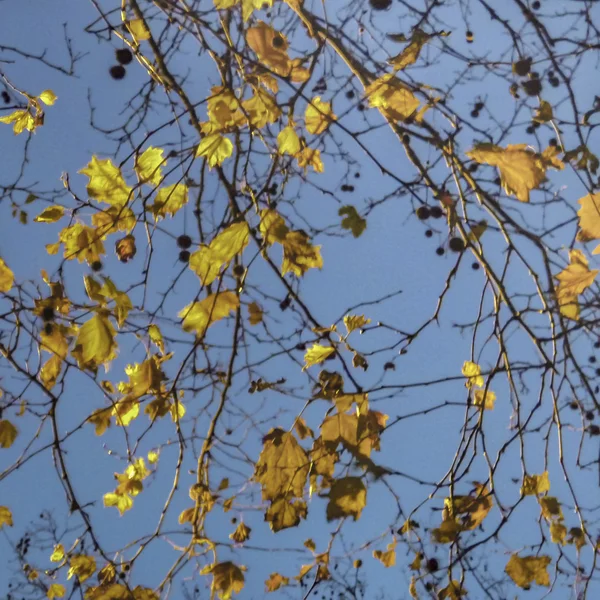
[56, 590]
[387, 557]
[48, 97]
[138, 30]
[199, 316]
[106, 182]
[169, 200]
[534, 485]
[316, 354]
[241, 533]
[276, 581]
[525, 570]
[347, 498]
[228, 579]
[148, 166]
[272, 227]
[58, 553]
[472, 371]
[7, 277]
[573, 281]
[453, 591]
[392, 97]
[21, 120]
[6, 517]
[156, 337]
[122, 502]
[215, 148]
[318, 116]
[125, 248]
[589, 218]
[95, 344]
[8, 433]
[310, 158]
[82, 566]
[51, 214]
[299, 255]
[484, 399]
[285, 512]
[410, 54]
[288, 141]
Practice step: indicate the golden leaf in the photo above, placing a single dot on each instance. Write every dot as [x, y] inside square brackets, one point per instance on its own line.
[347, 498]
[318, 116]
[316, 354]
[56, 590]
[589, 218]
[241, 533]
[101, 420]
[310, 158]
[138, 30]
[169, 200]
[255, 313]
[199, 316]
[558, 533]
[352, 220]
[51, 214]
[288, 141]
[227, 579]
[82, 242]
[285, 512]
[282, 467]
[573, 281]
[272, 227]
[21, 120]
[387, 557]
[521, 169]
[106, 182]
[8, 433]
[410, 54]
[299, 255]
[271, 48]
[276, 581]
[249, 6]
[156, 337]
[353, 322]
[215, 148]
[122, 501]
[484, 399]
[262, 108]
[58, 553]
[83, 566]
[453, 591]
[48, 97]
[551, 508]
[302, 429]
[209, 260]
[392, 97]
[7, 277]
[125, 248]
[5, 517]
[472, 371]
[95, 343]
[535, 484]
[148, 166]
[525, 570]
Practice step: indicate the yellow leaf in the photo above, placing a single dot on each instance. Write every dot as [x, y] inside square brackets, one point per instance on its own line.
[573, 281]
[288, 141]
[227, 579]
[215, 148]
[208, 261]
[115, 218]
[388, 557]
[48, 97]
[412, 589]
[8, 433]
[453, 591]
[282, 467]
[353, 322]
[95, 343]
[50, 214]
[106, 182]
[125, 411]
[543, 114]
[177, 411]
[551, 508]
[58, 554]
[241, 533]
[199, 316]
[472, 371]
[169, 200]
[7, 277]
[526, 570]
[316, 354]
[21, 120]
[285, 512]
[122, 501]
[83, 566]
[302, 429]
[558, 533]
[271, 48]
[577, 537]
[521, 169]
[225, 4]
[186, 516]
[352, 220]
[101, 420]
[484, 399]
[534, 485]
[255, 313]
[276, 581]
[272, 227]
[148, 166]
[81, 242]
[589, 219]
[262, 108]
[56, 590]
[310, 158]
[410, 54]
[125, 248]
[5, 517]
[249, 6]
[393, 98]
[347, 498]
[318, 116]
[153, 456]
[138, 30]
[299, 255]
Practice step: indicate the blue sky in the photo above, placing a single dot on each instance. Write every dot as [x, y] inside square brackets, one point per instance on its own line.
[393, 254]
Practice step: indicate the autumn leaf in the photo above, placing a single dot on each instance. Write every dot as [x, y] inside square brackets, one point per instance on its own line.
[7, 277]
[169, 200]
[215, 148]
[8, 433]
[347, 498]
[525, 570]
[316, 354]
[589, 219]
[352, 220]
[156, 337]
[392, 97]
[262, 109]
[573, 281]
[95, 344]
[228, 578]
[285, 512]
[122, 502]
[276, 581]
[318, 116]
[282, 467]
[51, 214]
[484, 399]
[106, 182]
[138, 30]
[209, 260]
[255, 313]
[310, 158]
[82, 242]
[58, 553]
[288, 141]
[21, 120]
[56, 590]
[101, 420]
[125, 248]
[5, 517]
[387, 557]
[199, 316]
[453, 591]
[521, 169]
[410, 54]
[299, 255]
[270, 46]
[272, 227]
[534, 485]
[48, 97]
[82, 566]
[148, 166]
[472, 371]
[551, 508]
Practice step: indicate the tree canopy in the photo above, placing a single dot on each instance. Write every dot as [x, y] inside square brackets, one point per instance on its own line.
[299, 298]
